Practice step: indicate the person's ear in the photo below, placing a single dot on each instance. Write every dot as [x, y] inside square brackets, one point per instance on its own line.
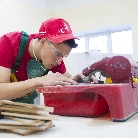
[43, 41]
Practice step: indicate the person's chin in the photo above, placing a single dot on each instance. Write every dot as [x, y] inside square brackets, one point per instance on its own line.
[47, 66]
[50, 66]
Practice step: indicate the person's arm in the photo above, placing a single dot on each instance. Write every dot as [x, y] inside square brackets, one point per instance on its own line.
[15, 90]
[68, 74]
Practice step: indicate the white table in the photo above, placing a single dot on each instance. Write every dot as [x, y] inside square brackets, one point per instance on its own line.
[79, 127]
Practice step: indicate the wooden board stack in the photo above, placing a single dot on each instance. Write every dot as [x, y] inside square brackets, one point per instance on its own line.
[25, 119]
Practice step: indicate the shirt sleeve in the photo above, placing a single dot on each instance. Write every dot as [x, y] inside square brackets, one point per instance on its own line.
[59, 68]
[9, 49]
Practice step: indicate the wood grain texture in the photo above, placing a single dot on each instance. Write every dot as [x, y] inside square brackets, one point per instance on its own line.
[25, 119]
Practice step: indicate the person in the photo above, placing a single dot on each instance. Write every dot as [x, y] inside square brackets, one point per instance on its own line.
[25, 60]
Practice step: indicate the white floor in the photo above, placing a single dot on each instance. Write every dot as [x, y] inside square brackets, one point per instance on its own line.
[79, 127]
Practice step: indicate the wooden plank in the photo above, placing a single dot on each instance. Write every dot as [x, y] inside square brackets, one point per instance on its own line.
[25, 119]
[15, 122]
[50, 117]
[48, 124]
[22, 127]
[25, 131]
[20, 121]
[50, 109]
[24, 110]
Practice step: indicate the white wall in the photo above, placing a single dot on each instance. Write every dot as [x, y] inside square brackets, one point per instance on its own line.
[20, 16]
[1, 17]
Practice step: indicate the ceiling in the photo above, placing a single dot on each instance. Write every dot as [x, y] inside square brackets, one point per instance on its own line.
[55, 5]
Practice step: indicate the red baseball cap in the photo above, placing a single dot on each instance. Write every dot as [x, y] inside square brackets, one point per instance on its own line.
[56, 30]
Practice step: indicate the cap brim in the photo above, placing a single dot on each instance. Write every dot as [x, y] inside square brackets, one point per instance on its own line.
[61, 38]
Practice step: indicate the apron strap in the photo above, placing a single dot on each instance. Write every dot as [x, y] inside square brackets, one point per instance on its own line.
[23, 44]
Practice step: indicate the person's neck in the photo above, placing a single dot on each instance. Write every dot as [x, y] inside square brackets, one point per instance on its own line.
[32, 49]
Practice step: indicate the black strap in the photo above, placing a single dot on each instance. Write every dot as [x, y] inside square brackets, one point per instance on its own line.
[23, 43]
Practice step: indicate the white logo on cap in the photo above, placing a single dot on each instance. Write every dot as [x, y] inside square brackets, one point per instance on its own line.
[62, 30]
[42, 33]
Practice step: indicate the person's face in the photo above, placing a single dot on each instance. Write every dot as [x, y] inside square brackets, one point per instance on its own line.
[52, 54]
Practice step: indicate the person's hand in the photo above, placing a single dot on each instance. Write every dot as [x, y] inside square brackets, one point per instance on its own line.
[94, 79]
[55, 79]
[80, 78]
